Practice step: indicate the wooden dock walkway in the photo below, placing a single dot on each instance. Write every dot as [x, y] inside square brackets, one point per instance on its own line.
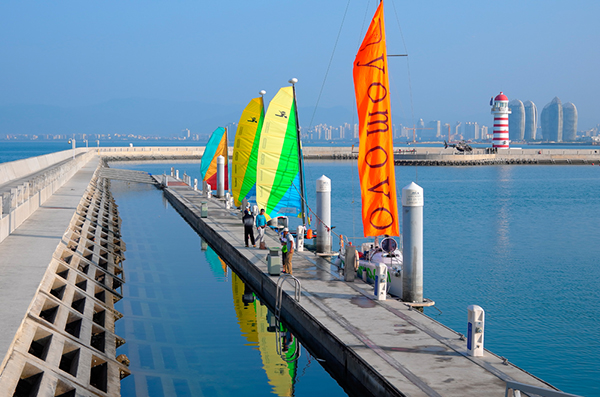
[379, 348]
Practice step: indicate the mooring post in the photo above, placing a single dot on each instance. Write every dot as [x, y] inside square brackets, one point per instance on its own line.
[323, 215]
[220, 176]
[195, 183]
[412, 239]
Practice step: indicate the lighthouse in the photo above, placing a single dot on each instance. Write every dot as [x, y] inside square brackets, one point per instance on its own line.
[500, 111]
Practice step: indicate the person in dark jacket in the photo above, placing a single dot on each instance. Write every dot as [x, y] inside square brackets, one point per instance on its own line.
[248, 220]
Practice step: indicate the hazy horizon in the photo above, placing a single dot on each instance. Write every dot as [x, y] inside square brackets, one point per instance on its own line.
[77, 55]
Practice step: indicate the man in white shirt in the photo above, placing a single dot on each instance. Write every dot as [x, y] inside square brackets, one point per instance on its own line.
[290, 245]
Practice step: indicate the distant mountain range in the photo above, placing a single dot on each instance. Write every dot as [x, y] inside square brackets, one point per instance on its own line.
[140, 116]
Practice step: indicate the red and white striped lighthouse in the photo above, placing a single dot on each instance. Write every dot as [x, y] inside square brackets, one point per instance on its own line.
[500, 111]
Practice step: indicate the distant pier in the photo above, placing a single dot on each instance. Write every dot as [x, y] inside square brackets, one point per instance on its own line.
[420, 156]
[425, 156]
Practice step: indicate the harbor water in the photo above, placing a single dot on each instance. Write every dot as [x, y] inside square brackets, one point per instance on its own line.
[519, 241]
[191, 326]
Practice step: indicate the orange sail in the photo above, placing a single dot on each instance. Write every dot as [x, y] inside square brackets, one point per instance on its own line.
[376, 149]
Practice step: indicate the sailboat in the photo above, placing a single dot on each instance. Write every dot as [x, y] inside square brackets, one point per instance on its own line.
[376, 156]
[279, 169]
[245, 150]
[215, 147]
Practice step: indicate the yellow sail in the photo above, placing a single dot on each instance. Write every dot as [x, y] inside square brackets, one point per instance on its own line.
[245, 151]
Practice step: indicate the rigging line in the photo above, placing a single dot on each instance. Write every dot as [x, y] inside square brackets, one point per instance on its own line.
[315, 214]
[412, 111]
[329, 66]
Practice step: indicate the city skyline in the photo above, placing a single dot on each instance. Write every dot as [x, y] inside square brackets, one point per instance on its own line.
[80, 54]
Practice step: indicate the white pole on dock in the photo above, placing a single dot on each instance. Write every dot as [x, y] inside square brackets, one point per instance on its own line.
[412, 241]
[323, 215]
[220, 176]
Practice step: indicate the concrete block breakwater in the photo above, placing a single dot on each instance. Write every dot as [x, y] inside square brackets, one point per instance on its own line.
[402, 156]
[451, 157]
[66, 343]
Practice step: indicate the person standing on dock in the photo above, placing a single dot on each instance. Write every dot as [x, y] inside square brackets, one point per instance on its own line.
[248, 220]
[288, 246]
[261, 224]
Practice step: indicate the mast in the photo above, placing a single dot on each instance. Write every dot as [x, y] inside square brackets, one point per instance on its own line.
[293, 82]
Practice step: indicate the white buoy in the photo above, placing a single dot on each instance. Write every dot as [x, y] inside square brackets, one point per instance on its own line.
[323, 215]
[220, 176]
[412, 238]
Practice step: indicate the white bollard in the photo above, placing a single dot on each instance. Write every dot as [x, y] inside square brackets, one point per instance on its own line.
[172, 171]
[323, 214]
[220, 176]
[208, 191]
[177, 174]
[299, 238]
[475, 330]
[412, 239]
[255, 210]
[195, 183]
[380, 290]
[227, 200]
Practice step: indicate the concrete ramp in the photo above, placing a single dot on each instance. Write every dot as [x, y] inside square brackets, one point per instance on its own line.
[126, 175]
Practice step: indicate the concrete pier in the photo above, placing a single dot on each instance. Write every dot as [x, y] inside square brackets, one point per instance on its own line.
[376, 347]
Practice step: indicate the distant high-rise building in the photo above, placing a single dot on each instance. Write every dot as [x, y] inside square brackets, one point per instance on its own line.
[569, 122]
[470, 130]
[433, 131]
[483, 132]
[516, 122]
[531, 118]
[500, 111]
[552, 121]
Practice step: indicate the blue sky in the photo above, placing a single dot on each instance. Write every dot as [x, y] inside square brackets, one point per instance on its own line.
[74, 53]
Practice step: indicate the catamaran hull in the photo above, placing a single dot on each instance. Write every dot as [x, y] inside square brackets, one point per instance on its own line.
[366, 271]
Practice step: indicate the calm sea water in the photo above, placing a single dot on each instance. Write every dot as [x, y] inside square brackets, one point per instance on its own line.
[189, 325]
[520, 241]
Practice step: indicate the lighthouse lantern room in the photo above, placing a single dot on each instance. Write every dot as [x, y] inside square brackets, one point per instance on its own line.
[500, 111]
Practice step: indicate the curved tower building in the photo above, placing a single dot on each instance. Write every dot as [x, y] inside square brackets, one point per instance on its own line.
[500, 111]
[569, 122]
[552, 121]
[531, 118]
[516, 123]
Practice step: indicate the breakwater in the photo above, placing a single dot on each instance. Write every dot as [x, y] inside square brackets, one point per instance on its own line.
[423, 156]
[66, 343]
[452, 157]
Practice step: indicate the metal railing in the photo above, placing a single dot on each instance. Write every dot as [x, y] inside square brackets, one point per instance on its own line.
[514, 389]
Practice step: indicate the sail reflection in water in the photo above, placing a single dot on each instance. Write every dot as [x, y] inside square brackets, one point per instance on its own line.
[180, 322]
[279, 349]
